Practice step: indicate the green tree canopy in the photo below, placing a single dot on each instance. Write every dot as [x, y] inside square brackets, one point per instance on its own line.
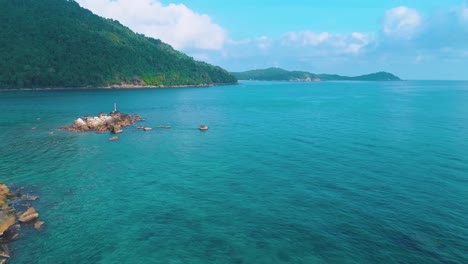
[57, 43]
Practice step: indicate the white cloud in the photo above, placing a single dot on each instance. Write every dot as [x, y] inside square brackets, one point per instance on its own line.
[325, 43]
[301, 50]
[304, 38]
[402, 22]
[307, 38]
[175, 24]
[359, 36]
[263, 42]
[407, 37]
[464, 14]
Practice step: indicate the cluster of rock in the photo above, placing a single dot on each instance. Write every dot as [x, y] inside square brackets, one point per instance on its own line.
[11, 220]
[104, 123]
[113, 122]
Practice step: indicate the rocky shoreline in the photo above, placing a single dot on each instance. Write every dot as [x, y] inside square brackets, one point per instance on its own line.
[120, 86]
[12, 220]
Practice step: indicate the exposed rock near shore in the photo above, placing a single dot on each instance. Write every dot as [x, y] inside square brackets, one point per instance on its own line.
[9, 219]
[104, 123]
[28, 216]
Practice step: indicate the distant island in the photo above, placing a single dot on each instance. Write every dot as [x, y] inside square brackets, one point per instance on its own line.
[57, 43]
[278, 74]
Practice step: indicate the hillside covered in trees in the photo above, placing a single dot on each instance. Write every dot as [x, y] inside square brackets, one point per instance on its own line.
[278, 74]
[57, 43]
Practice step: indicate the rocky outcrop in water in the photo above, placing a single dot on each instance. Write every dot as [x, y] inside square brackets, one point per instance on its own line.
[29, 215]
[10, 220]
[104, 123]
[7, 217]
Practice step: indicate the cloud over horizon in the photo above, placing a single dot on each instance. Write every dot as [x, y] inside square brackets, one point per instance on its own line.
[174, 24]
[407, 39]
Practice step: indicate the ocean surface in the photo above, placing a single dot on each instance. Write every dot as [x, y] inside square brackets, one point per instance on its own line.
[328, 172]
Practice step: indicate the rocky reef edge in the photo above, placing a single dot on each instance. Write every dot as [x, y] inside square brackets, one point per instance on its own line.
[13, 219]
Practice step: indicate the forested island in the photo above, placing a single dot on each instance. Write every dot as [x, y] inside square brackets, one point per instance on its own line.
[57, 43]
[278, 74]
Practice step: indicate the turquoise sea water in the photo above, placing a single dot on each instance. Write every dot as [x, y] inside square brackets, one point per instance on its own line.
[332, 172]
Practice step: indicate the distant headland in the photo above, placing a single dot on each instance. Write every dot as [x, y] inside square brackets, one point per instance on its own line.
[278, 74]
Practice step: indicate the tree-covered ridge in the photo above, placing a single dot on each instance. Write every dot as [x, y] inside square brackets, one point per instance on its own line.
[273, 74]
[57, 43]
[278, 74]
[377, 76]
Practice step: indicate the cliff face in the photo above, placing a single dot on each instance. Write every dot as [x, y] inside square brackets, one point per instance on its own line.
[57, 43]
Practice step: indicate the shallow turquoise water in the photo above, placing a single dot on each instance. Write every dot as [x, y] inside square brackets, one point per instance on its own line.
[332, 172]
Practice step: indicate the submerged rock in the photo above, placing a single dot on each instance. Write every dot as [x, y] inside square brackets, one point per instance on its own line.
[113, 138]
[14, 237]
[4, 252]
[31, 198]
[38, 225]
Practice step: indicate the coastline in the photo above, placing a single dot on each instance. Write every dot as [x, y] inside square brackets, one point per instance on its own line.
[318, 81]
[115, 87]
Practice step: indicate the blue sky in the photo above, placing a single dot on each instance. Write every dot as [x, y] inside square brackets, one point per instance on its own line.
[413, 39]
[245, 18]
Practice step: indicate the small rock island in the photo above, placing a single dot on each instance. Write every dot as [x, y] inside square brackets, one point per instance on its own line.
[103, 122]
